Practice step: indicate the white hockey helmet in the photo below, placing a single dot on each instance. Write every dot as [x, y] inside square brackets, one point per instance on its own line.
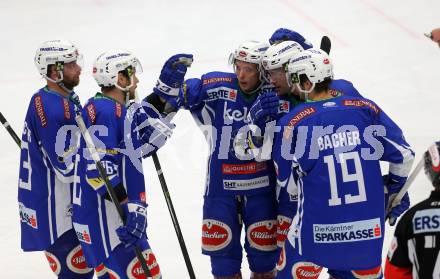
[110, 63]
[278, 55]
[56, 52]
[249, 51]
[315, 64]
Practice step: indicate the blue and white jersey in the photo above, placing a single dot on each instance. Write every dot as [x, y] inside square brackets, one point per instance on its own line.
[220, 110]
[338, 87]
[46, 171]
[288, 102]
[95, 219]
[327, 154]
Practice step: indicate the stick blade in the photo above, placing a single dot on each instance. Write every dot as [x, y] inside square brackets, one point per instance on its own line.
[326, 44]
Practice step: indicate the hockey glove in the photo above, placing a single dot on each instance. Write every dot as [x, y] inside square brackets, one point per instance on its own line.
[135, 225]
[264, 107]
[172, 76]
[393, 184]
[284, 34]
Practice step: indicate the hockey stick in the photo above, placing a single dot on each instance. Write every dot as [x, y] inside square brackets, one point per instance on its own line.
[398, 198]
[326, 44]
[166, 193]
[102, 172]
[10, 130]
[173, 215]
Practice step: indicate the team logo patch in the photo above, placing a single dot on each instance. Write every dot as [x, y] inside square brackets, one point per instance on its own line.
[347, 232]
[135, 271]
[217, 79]
[282, 260]
[54, 263]
[83, 233]
[216, 235]
[335, 93]
[91, 112]
[329, 104]
[28, 216]
[306, 270]
[249, 168]
[66, 108]
[284, 106]
[40, 111]
[297, 118]
[367, 273]
[361, 103]
[282, 229]
[118, 110]
[76, 261]
[223, 93]
[143, 197]
[262, 235]
[254, 183]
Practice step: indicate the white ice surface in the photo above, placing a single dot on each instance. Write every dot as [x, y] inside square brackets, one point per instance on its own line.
[378, 45]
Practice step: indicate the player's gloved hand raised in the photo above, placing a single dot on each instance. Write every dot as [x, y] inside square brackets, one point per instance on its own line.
[284, 34]
[135, 225]
[393, 184]
[264, 107]
[172, 75]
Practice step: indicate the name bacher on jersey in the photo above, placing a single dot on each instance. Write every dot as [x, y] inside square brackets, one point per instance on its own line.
[330, 147]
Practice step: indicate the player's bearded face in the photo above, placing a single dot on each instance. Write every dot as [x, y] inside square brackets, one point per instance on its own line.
[71, 73]
[278, 79]
[248, 75]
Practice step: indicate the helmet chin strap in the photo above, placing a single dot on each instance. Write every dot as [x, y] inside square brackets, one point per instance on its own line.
[304, 94]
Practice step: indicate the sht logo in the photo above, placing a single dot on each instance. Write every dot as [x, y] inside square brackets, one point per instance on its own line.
[230, 115]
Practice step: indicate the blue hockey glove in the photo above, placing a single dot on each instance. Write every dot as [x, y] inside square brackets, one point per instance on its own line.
[264, 107]
[393, 184]
[284, 34]
[135, 225]
[172, 76]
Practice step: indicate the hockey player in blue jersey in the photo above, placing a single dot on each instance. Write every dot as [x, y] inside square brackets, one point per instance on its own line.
[275, 61]
[239, 191]
[327, 154]
[46, 165]
[115, 124]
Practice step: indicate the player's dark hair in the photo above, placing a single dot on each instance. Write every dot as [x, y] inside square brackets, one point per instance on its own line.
[105, 89]
[320, 86]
